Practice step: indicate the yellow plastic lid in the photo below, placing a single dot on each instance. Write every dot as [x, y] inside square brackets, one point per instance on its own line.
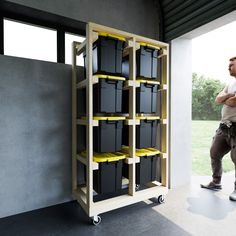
[111, 35]
[149, 45]
[147, 152]
[110, 77]
[147, 81]
[142, 152]
[106, 157]
[106, 118]
[109, 118]
[147, 117]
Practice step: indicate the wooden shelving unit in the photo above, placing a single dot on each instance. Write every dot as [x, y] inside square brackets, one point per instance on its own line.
[84, 194]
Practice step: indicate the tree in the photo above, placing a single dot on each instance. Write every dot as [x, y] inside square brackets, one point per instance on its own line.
[204, 92]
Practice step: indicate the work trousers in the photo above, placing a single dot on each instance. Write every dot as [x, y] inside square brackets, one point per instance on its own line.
[223, 142]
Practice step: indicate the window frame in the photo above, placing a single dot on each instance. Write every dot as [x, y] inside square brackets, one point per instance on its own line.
[27, 15]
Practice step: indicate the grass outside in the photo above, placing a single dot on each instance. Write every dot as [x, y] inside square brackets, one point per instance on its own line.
[202, 134]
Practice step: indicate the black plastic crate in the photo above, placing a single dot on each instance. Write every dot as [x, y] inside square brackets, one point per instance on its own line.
[107, 54]
[108, 177]
[146, 169]
[146, 132]
[146, 98]
[107, 136]
[107, 96]
[146, 63]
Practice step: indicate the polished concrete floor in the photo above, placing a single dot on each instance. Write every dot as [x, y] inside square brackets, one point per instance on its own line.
[188, 210]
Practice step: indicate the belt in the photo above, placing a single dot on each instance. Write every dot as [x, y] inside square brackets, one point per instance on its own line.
[227, 125]
[228, 128]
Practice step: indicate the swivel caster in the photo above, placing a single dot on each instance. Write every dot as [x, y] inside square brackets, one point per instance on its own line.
[137, 187]
[97, 220]
[161, 199]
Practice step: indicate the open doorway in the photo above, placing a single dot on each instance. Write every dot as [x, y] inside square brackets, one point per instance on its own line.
[181, 96]
[210, 58]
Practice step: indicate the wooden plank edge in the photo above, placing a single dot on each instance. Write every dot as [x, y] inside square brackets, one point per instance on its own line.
[125, 200]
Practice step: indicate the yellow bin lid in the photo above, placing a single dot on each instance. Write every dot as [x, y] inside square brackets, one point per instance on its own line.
[149, 45]
[111, 36]
[106, 157]
[142, 152]
[148, 82]
[148, 117]
[147, 152]
[109, 118]
[106, 118]
[100, 76]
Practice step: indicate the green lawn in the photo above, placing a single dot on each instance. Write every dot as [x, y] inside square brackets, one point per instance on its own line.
[202, 134]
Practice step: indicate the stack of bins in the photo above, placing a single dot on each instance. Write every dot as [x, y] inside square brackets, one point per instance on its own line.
[146, 112]
[107, 109]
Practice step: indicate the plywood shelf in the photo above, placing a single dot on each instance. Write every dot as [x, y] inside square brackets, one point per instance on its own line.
[84, 122]
[130, 160]
[132, 122]
[84, 161]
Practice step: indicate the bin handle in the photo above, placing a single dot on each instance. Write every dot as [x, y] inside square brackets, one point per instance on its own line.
[111, 81]
[149, 85]
[111, 121]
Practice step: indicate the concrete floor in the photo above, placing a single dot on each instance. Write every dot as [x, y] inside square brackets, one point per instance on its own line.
[188, 210]
[200, 211]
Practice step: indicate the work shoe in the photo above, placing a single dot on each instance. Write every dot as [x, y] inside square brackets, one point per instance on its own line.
[213, 186]
[232, 196]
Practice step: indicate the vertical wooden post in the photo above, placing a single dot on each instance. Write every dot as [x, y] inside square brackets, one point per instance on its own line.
[89, 114]
[132, 113]
[165, 116]
[74, 125]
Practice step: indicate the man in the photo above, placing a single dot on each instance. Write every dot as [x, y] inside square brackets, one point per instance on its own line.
[225, 137]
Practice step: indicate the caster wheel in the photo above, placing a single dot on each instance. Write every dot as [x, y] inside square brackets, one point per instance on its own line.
[137, 187]
[97, 220]
[161, 199]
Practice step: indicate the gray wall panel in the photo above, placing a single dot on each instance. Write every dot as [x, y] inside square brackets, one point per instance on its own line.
[135, 16]
[35, 127]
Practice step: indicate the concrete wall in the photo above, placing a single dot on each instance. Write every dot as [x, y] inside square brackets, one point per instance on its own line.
[135, 16]
[35, 127]
[181, 111]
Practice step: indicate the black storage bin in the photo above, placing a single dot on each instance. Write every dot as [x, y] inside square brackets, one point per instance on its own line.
[108, 177]
[146, 98]
[145, 132]
[107, 54]
[107, 96]
[146, 169]
[146, 63]
[107, 137]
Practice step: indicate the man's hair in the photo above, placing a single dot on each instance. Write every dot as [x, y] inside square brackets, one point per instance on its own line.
[232, 59]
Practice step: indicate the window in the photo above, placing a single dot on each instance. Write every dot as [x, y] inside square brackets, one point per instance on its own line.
[69, 38]
[28, 41]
